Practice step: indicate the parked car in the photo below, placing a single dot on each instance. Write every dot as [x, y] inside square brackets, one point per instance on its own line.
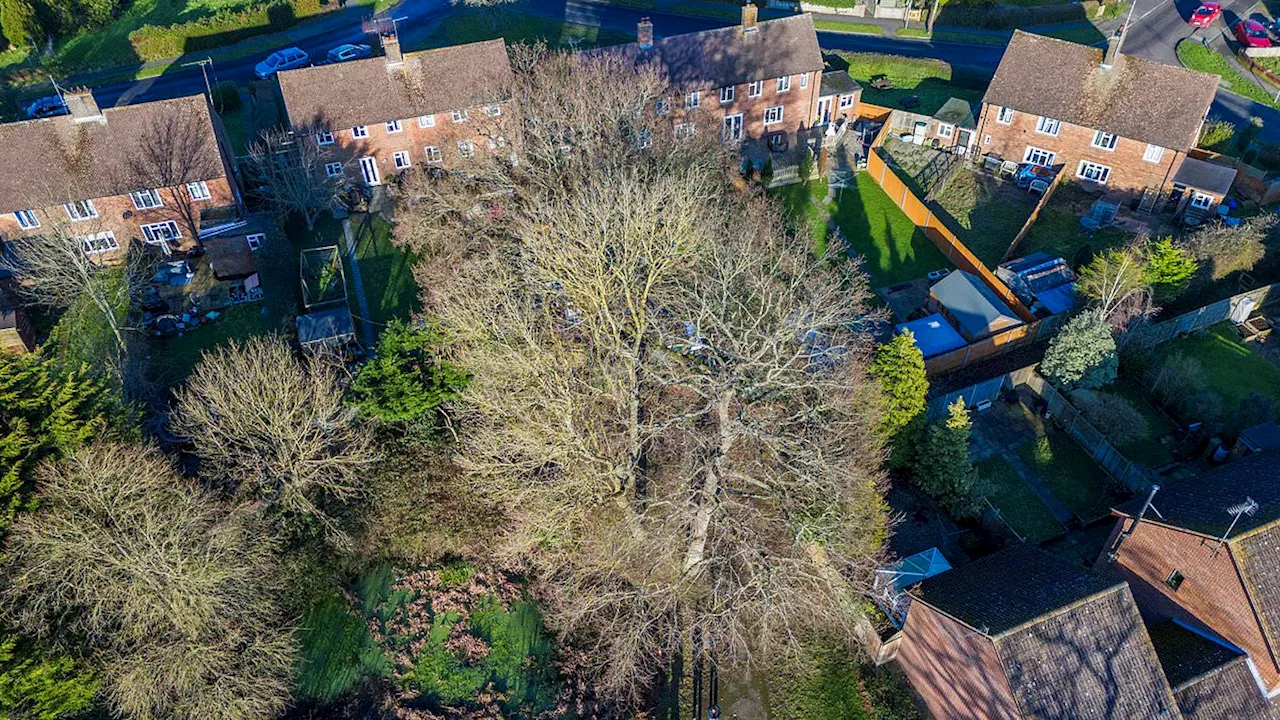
[286, 59]
[45, 107]
[346, 52]
[1204, 15]
[1252, 33]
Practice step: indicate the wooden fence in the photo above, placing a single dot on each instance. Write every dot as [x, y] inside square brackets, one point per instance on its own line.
[997, 344]
[1031, 219]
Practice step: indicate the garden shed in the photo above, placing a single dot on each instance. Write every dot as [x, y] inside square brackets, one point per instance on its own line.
[326, 329]
[933, 335]
[16, 333]
[972, 307]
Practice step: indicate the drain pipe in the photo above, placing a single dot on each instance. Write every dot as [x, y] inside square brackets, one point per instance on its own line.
[1114, 553]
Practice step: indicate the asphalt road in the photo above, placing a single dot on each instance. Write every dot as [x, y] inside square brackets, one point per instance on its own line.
[1155, 28]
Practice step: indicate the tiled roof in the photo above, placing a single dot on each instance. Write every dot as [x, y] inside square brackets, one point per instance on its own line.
[55, 160]
[367, 92]
[1001, 592]
[1136, 98]
[1228, 693]
[1185, 655]
[1258, 558]
[729, 56]
[1204, 175]
[838, 82]
[1070, 640]
[1200, 503]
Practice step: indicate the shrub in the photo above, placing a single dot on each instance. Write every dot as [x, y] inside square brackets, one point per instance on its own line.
[226, 97]
[1181, 385]
[1082, 355]
[1254, 409]
[18, 20]
[1113, 416]
[1168, 268]
[1217, 135]
[1222, 250]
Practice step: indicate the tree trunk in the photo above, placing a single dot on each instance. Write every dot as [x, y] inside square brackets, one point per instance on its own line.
[708, 495]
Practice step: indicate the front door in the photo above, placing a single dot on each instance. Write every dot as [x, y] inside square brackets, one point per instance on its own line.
[824, 110]
[733, 128]
[964, 140]
[369, 169]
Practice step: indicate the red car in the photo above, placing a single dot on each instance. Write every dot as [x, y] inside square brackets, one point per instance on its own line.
[1251, 33]
[1204, 15]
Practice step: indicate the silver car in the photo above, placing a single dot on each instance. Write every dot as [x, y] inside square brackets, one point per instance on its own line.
[346, 52]
[286, 59]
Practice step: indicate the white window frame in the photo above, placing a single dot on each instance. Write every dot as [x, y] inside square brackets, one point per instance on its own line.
[660, 107]
[1087, 170]
[804, 80]
[199, 190]
[1048, 126]
[846, 102]
[644, 138]
[1004, 115]
[784, 83]
[27, 219]
[394, 126]
[683, 130]
[1153, 153]
[1201, 201]
[150, 235]
[401, 159]
[88, 243]
[946, 130]
[755, 88]
[150, 199]
[433, 155]
[1048, 157]
[726, 95]
[1105, 140]
[466, 148]
[426, 121]
[78, 210]
[494, 110]
[254, 240]
[360, 131]
[769, 112]
[370, 173]
[458, 116]
[693, 100]
[333, 169]
[324, 137]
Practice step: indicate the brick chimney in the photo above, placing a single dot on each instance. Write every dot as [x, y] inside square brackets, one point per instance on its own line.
[82, 106]
[1112, 52]
[749, 16]
[391, 46]
[644, 33]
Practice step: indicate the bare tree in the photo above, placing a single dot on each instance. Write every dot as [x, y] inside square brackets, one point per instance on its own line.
[668, 400]
[173, 593]
[174, 149]
[292, 169]
[1116, 282]
[274, 429]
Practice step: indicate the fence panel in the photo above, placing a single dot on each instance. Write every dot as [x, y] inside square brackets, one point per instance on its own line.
[1204, 317]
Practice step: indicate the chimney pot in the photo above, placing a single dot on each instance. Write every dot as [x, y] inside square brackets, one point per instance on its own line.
[750, 14]
[82, 107]
[644, 33]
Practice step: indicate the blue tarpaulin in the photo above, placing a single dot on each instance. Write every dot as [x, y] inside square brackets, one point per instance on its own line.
[934, 335]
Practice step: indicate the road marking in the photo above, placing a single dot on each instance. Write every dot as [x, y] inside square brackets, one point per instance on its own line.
[1153, 9]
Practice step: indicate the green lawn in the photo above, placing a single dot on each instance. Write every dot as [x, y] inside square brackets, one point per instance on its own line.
[1233, 369]
[1075, 479]
[1018, 505]
[986, 215]
[1057, 229]
[895, 250]
[851, 27]
[1149, 451]
[1198, 57]
[929, 80]
[960, 36]
[388, 274]
[479, 24]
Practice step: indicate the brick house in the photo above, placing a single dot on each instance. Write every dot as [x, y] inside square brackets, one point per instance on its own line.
[1105, 118]
[756, 81]
[156, 172]
[1023, 634]
[1191, 562]
[380, 116]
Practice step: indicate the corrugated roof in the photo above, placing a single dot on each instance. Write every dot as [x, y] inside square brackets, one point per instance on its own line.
[1136, 98]
[367, 92]
[729, 56]
[55, 160]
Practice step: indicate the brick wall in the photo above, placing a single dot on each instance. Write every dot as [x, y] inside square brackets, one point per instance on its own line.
[1129, 171]
[1212, 593]
[954, 668]
[487, 133]
[178, 207]
[800, 106]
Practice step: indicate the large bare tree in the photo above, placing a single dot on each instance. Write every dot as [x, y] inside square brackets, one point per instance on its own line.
[292, 169]
[177, 148]
[668, 400]
[272, 428]
[174, 593]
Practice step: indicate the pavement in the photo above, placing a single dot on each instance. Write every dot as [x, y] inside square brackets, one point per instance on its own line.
[1154, 30]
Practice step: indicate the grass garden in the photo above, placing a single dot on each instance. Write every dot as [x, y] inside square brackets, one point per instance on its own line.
[1057, 228]
[474, 25]
[933, 82]
[1198, 57]
[987, 214]
[1232, 369]
[895, 250]
[1018, 505]
[1075, 479]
